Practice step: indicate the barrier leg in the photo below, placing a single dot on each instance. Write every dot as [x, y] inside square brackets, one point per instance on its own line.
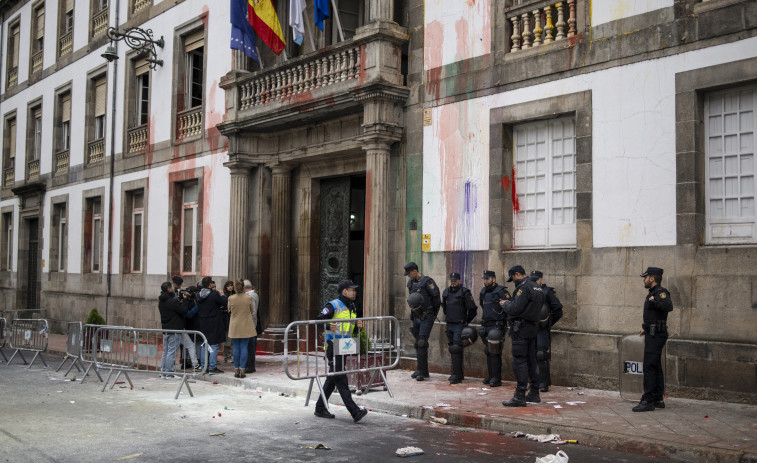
[4, 357]
[61, 364]
[310, 389]
[106, 381]
[181, 384]
[18, 351]
[38, 354]
[386, 383]
[370, 382]
[73, 364]
[115, 381]
[86, 373]
[323, 394]
[126, 375]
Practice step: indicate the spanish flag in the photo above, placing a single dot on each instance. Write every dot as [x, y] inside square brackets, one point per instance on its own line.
[264, 20]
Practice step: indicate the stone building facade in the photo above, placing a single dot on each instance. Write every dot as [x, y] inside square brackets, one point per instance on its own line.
[578, 138]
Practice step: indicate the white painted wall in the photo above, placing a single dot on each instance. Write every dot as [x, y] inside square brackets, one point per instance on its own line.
[634, 194]
[456, 30]
[604, 11]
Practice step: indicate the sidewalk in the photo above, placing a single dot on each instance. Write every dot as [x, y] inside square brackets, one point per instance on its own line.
[686, 430]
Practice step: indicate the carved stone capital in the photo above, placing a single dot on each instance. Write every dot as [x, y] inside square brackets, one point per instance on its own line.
[239, 164]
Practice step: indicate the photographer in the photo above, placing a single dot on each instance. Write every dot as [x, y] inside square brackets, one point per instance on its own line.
[212, 316]
[171, 318]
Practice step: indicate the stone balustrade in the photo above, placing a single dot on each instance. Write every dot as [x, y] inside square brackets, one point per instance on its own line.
[96, 151]
[100, 22]
[32, 170]
[12, 76]
[301, 76]
[541, 23]
[189, 123]
[61, 162]
[66, 43]
[137, 139]
[9, 176]
[140, 5]
[37, 61]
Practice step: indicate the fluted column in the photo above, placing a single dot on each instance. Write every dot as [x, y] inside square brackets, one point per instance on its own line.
[382, 10]
[239, 60]
[238, 218]
[377, 197]
[281, 184]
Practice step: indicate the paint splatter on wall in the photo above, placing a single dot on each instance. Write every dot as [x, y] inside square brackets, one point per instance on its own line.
[456, 31]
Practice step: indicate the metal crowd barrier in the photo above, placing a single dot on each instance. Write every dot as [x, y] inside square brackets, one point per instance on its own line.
[88, 348]
[2, 339]
[29, 335]
[126, 350]
[308, 359]
[73, 348]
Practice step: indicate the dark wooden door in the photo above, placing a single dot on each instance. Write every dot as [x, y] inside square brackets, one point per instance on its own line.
[334, 236]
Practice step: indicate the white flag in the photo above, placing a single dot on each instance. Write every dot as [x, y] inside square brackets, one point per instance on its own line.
[296, 22]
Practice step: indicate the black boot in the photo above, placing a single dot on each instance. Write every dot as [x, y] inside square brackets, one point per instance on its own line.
[457, 369]
[496, 371]
[518, 400]
[422, 364]
[644, 406]
[488, 369]
[545, 379]
[533, 395]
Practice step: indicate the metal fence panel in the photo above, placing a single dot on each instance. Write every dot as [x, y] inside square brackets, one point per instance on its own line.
[125, 350]
[29, 335]
[377, 350]
[3, 338]
[73, 347]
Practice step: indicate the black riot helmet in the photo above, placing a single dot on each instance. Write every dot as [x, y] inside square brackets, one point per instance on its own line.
[415, 300]
[469, 335]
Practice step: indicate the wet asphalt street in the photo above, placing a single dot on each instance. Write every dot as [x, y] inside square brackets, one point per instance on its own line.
[44, 417]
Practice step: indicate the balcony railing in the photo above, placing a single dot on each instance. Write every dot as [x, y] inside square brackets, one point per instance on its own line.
[140, 5]
[66, 43]
[12, 76]
[37, 61]
[62, 162]
[287, 81]
[96, 151]
[189, 123]
[541, 23]
[137, 139]
[100, 22]
[32, 170]
[9, 176]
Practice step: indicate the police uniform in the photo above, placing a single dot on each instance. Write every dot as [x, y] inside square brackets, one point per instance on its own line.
[551, 313]
[493, 328]
[340, 308]
[459, 310]
[422, 317]
[657, 305]
[523, 316]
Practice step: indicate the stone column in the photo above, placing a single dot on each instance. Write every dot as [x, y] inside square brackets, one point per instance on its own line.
[238, 217]
[238, 61]
[382, 10]
[281, 183]
[377, 198]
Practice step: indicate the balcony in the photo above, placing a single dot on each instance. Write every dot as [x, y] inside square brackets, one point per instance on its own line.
[12, 76]
[96, 151]
[37, 61]
[62, 162]
[324, 84]
[189, 123]
[66, 43]
[100, 22]
[9, 176]
[140, 5]
[32, 170]
[137, 139]
[541, 23]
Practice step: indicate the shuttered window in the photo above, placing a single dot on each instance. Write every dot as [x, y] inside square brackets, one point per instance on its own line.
[39, 26]
[11, 154]
[65, 122]
[100, 85]
[545, 184]
[730, 126]
[13, 46]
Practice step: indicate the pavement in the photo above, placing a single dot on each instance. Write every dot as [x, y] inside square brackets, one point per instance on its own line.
[686, 430]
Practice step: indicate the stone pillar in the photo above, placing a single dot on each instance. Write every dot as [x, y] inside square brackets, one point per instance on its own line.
[377, 198]
[238, 218]
[382, 10]
[238, 61]
[280, 244]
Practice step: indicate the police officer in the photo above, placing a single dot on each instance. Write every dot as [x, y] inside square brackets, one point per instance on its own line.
[551, 312]
[655, 331]
[523, 316]
[493, 326]
[424, 301]
[343, 307]
[459, 309]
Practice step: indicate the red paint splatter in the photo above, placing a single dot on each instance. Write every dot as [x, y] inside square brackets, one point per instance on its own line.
[505, 182]
[204, 16]
[433, 44]
[516, 204]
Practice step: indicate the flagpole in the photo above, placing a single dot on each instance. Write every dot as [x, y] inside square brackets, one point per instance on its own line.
[260, 57]
[338, 22]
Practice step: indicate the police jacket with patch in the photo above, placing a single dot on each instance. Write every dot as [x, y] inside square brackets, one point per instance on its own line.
[489, 300]
[527, 301]
[429, 290]
[458, 305]
[555, 306]
[657, 305]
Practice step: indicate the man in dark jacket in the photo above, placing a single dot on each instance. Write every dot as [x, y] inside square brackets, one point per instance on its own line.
[493, 326]
[171, 318]
[523, 317]
[211, 306]
[551, 313]
[459, 309]
[426, 301]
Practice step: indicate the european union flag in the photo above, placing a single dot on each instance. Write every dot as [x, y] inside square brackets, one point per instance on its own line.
[242, 35]
[321, 12]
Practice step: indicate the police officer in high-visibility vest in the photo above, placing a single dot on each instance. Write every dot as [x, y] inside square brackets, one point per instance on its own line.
[343, 307]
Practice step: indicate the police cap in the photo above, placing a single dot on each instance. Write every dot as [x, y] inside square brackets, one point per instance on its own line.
[652, 271]
[344, 284]
[454, 276]
[489, 274]
[515, 269]
[409, 267]
[535, 275]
